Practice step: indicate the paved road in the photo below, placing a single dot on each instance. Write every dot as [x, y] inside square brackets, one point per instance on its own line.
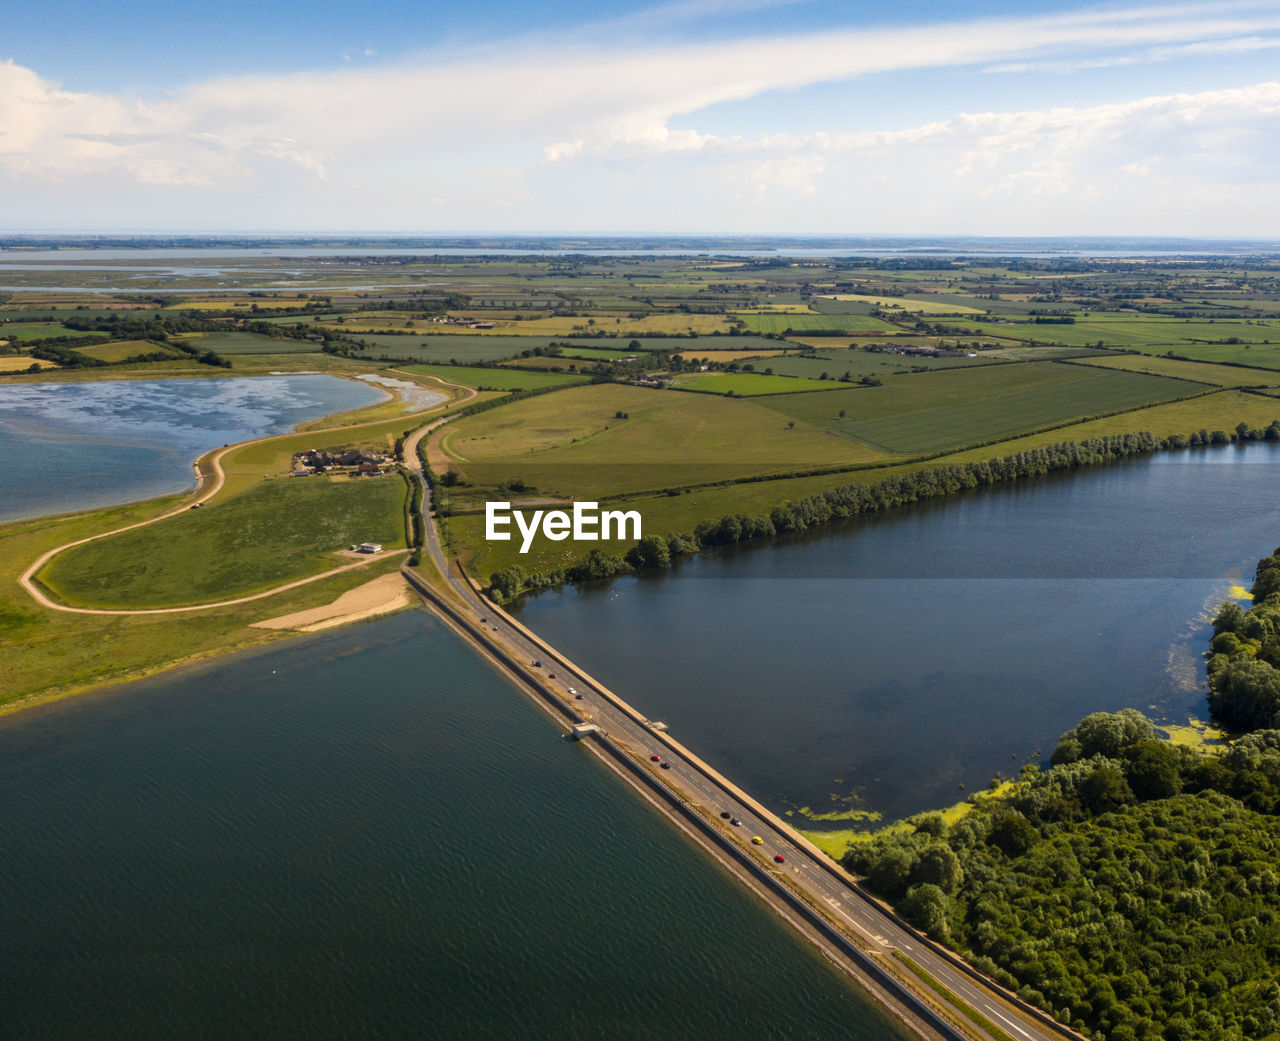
[805, 867]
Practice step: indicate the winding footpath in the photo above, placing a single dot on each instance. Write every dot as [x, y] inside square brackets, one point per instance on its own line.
[208, 483]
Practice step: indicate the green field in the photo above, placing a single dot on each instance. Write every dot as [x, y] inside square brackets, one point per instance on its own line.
[931, 412]
[1137, 333]
[595, 353]
[780, 323]
[446, 348]
[22, 331]
[233, 344]
[119, 350]
[274, 533]
[1257, 356]
[496, 379]
[749, 384]
[573, 443]
[1205, 372]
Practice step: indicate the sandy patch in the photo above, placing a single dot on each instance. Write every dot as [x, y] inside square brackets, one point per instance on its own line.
[379, 596]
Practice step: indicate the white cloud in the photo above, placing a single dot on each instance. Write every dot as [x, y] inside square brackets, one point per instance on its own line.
[474, 128]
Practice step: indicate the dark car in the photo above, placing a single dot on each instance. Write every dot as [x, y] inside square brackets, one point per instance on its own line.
[537, 664]
[726, 814]
[736, 823]
[665, 766]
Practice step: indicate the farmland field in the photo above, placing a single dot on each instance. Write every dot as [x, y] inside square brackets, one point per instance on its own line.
[495, 378]
[273, 533]
[232, 344]
[780, 323]
[21, 362]
[22, 331]
[1205, 372]
[922, 304]
[749, 384]
[1258, 355]
[930, 412]
[573, 442]
[1138, 333]
[119, 350]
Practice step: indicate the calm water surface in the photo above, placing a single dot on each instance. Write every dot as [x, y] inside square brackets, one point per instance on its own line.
[898, 662]
[71, 446]
[368, 834]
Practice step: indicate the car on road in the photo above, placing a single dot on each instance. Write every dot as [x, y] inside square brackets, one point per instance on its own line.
[736, 823]
[551, 675]
[665, 766]
[778, 858]
[756, 840]
[656, 758]
[537, 664]
[578, 697]
[571, 690]
[725, 814]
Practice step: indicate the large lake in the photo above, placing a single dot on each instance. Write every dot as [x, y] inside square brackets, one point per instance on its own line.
[898, 662]
[367, 834]
[73, 446]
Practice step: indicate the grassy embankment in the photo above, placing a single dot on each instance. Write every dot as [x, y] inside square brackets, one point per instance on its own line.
[51, 653]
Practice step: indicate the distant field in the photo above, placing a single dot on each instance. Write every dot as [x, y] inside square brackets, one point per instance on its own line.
[233, 344]
[860, 363]
[557, 363]
[1206, 372]
[1260, 356]
[1136, 333]
[119, 350]
[923, 304]
[749, 384]
[930, 412]
[595, 353]
[273, 533]
[496, 379]
[21, 362]
[780, 323]
[574, 443]
[428, 349]
[37, 331]
[723, 357]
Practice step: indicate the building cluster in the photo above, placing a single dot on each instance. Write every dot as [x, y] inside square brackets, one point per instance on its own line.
[353, 460]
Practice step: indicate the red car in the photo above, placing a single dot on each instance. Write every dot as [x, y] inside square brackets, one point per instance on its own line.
[656, 758]
[779, 858]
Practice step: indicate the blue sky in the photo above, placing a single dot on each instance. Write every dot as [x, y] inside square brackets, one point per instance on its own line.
[732, 116]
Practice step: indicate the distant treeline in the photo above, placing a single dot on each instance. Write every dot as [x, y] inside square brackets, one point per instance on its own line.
[853, 500]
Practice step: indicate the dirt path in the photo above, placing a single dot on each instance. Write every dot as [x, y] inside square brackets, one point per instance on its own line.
[207, 486]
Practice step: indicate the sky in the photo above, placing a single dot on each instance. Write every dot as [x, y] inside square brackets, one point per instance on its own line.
[784, 117]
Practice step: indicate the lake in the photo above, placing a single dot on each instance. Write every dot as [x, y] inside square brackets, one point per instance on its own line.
[897, 662]
[367, 834]
[73, 446]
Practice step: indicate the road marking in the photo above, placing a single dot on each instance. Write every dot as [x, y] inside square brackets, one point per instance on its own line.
[857, 925]
[1007, 1020]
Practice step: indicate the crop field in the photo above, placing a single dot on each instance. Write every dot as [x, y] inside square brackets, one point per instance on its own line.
[749, 384]
[1204, 372]
[234, 344]
[1257, 356]
[724, 357]
[21, 362]
[464, 349]
[574, 443]
[931, 412]
[595, 353]
[22, 331]
[860, 363]
[496, 379]
[922, 304]
[274, 533]
[780, 323]
[556, 363]
[1134, 333]
[119, 350]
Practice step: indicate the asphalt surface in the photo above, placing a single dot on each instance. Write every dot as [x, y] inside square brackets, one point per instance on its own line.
[824, 884]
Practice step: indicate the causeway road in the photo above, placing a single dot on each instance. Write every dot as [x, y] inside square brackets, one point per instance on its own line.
[661, 762]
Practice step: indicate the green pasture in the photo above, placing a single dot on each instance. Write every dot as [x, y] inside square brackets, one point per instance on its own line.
[1256, 356]
[119, 350]
[1204, 372]
[930, 412]
[780, 323]
[1130, 332]
[234, 344]
[21, 331]
[446, 347]
[574, 443]
[858, 362]
[748, 384]
[596, 353]
[275, 533]
[495, 378]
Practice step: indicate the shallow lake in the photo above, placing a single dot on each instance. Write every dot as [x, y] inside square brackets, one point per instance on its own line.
[367, 834]
[898, 662]
[73, 446]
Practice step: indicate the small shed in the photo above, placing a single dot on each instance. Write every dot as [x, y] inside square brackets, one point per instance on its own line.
[371, 547]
